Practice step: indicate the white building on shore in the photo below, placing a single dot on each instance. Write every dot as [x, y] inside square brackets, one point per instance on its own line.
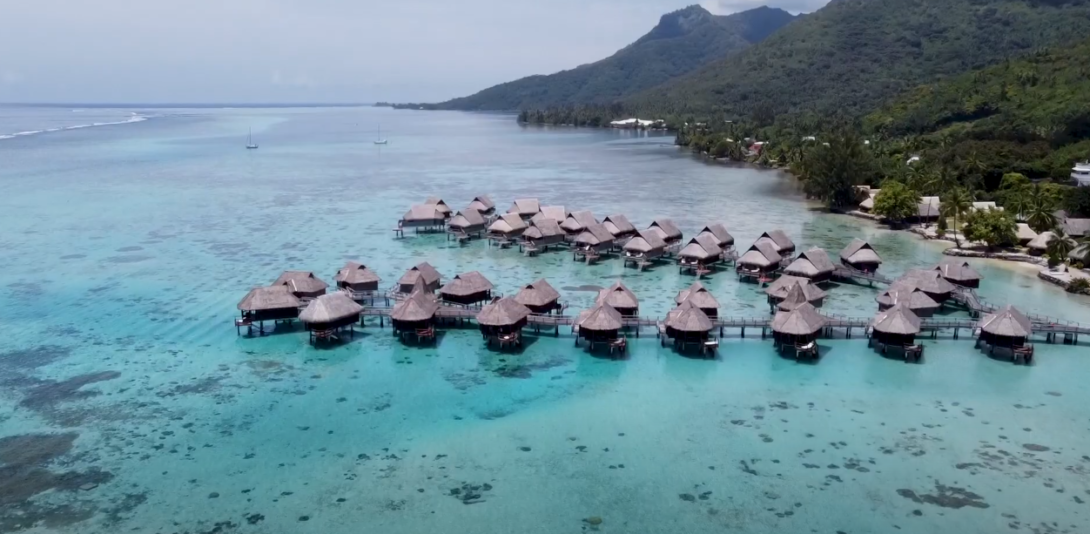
[1081, 173]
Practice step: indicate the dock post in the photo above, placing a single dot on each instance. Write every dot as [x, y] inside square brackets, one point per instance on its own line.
[956, 331]
[764, 333]
[380, 322]
[720, 330]
[743, 332]
[557, 333]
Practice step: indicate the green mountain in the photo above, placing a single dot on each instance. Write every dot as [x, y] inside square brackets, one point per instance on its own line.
[852, 55]
[682, 42]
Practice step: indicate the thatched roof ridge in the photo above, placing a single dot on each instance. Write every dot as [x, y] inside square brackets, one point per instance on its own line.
[466, 218]
[301, 282]
[482, 203]
[928, 281]
[859, 251]
[423, 213]
[721, 234]
[762, 254]
[526, 207]
[329, 308]
[698, 296]
[619, 296]
[779, 237]
[796, 297]
[578, 220]
[1007, 322]
[503, 312]
[466, 284]
[556, 213]
[958, 271]
[779, 288]
[897, 320]
[688, 318]
[909, 296]
[542, 228]
[600, 318]
[618, 224]
[356, 273]
[423, 272]
[278, 297]
[802, 321]
[539, 293]
[813, 262]
[701, 247]
[418, 306]
[645, 241]
[508, 223]
[594, 235]
[439, 204]
[668, 227]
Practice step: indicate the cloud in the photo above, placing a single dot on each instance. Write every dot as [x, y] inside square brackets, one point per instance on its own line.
[725, 7]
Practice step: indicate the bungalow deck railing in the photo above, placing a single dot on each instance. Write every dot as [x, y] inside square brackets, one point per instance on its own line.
[847, 273]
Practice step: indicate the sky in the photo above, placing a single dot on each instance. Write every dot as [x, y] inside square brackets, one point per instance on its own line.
[253, 51]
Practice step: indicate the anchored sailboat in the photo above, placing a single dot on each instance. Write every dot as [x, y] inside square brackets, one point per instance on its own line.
[250, 141]
[379, 140]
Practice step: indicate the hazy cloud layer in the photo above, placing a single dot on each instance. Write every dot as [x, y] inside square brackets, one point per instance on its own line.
[306, 50]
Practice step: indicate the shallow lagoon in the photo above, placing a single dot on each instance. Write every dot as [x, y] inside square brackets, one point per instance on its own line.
[127, 247]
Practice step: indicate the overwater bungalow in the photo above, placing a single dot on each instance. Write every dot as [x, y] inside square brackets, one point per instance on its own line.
[619, 226]
[759, 262]
[440, 206]
[813, 264]
[424, 218]
[668, 231]
[273, 303]
[578, 221]
[688, 326]
[1008, 329]
[467, 223]
[415, 316]
[700, 255]
[959, 272]
[1025, 234]
[908, 296]
[541, 235]
[328, 315]
[644, 248]
[778, 238]
[483, 204]
[422, 274]
[930, 282]
[897, 327]
[601, 325]
[540, 297]
[796, 297]
[357, 279]
[620, 298]
[859, 255]
[467, 289]
[593, 242]
[526, 208]
[557, 214]
[777, 291]
[699, 296]
[502, 321]
[506, 229]
[303, 284]
[798, 329]
[722, 236]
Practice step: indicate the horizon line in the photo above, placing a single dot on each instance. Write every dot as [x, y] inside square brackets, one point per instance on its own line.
[186, 104]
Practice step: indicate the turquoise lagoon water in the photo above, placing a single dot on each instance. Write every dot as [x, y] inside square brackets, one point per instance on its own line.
[128, 403]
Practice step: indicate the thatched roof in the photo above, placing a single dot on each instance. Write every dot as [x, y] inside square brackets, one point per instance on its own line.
[702, 247]
[503, 312]
[618, 224]
[542, 228]
[439, 205]
[813, 262]
[859, 251]
[329, 308]
[779, 289]
[482, 203]
[802, 321]
[539, 293]
[424, 213]
[721, 234]
[928, 281]
[897, 320]
[779, 237]
[466, 284]
[423, 272]
[594, 235]
[1007, 322]
[645, 241]
[1076, 227]
[762, 254]
[958, 271]
[467, 218]
[908, 296]
[508, 223]
[1041, 241]
[698, 296]
[796, 297]
[555, 213]
[578, 221]
[600, 318]
[525, 207]
[668, 227]
[688, 318]
[277, 297]
[356, 273]
[929, 207]
[618, 296]
[1025, 233]
[301, 282]
[418, 306]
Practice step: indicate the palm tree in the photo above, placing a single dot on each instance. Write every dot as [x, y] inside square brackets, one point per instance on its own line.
[1060, 246]
[956, 203]
[1038, 213]
[1082, 250]
[1018, 202]
[973, 168]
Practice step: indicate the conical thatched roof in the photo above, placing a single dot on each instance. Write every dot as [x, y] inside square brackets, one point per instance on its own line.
[482, 203]
[508, 223]
[618, 224]
[418, 306]
[669, 229]
[958, 271]
[1025, 233]
[928, 281]
[555, 213]
[525, 207]
[909, 297]
[441, 206]
[688, 318]
[277, 297]
[301, 282]
[594, 235]
[424, 213]
[859, 251]
[330, 308]
[796, 297]
[721, 234]
[813, 262]
[761, 254]
[802, 321]
[618, 296]
[778, 290]
[537, 294]
[466, 284]
[356, 273]
[577, 221]
[1007, 322]
[467, 218]
[1041, 241]
[423, 272]
[644, 242]
[503, 312]
[542, 228]
[702, 247]
[780, 239]
[698, 296]
[897, 320]
[600, 318]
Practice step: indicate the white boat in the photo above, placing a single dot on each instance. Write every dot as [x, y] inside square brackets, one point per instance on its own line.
[1081, 173]
[379, 140]
[250, 141]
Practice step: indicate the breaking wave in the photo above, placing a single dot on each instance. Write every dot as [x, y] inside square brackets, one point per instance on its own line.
[133, 119]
